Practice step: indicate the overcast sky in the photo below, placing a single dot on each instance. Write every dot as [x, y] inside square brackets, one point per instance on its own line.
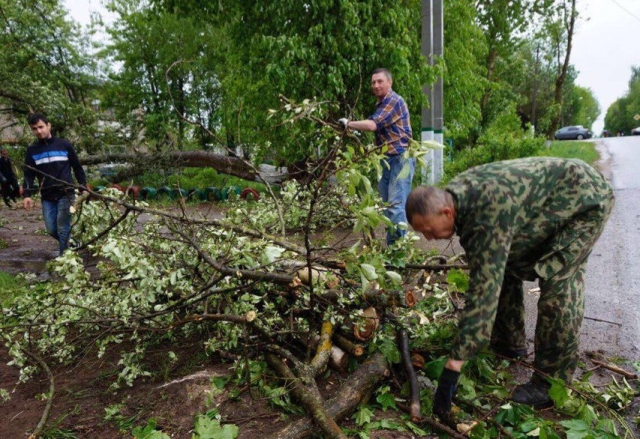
[606, 45]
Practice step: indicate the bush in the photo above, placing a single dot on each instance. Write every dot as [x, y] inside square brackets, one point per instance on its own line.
[492, 151]
[503, 140]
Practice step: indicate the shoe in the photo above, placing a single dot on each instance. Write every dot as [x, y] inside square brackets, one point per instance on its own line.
[533, 394]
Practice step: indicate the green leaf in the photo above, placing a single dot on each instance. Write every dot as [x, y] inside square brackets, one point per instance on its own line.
[363, 416]
[368, 271]
[389, 349]
[395, 277]
[576, 429]
[386, 401]
[271, 254]
[558, 392]
[433, 369]
[459, 279]
[207, 428]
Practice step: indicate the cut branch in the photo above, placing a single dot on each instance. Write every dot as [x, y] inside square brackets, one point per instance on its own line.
[321, 358]
[306, 392]
[355, 389]
[52, 391]
[403, 339]
[615, 369]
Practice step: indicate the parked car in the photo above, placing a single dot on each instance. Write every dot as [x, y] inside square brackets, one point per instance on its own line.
[575, 132]
[635, 131]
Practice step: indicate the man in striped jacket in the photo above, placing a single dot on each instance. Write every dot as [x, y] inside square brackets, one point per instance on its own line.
[51, 160]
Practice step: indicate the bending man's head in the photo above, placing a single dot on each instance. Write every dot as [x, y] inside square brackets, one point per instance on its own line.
[431, 211]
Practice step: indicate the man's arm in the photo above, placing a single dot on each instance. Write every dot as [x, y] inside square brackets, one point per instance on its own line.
[362, 125]
[78, 171]
[29, 176]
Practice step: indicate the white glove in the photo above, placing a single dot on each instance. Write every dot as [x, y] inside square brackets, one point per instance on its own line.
[344, 122]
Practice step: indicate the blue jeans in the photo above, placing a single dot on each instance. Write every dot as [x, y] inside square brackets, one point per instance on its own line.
[57, 220]
[394, 189]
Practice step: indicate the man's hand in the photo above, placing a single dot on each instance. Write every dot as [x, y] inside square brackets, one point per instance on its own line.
[4, 180]
[443, 398]
[344, 123]
[27, 203]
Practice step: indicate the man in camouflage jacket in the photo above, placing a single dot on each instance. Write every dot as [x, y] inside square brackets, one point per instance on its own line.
[526, 219]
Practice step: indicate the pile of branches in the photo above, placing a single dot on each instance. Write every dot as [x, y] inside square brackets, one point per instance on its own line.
[155, 274]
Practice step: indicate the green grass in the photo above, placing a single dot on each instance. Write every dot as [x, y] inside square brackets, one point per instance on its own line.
[8, 285]
[585, 151]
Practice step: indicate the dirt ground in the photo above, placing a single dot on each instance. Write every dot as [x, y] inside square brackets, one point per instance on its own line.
[82, 394]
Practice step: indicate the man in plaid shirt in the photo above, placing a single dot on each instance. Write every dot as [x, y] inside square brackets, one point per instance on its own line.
[391, 125]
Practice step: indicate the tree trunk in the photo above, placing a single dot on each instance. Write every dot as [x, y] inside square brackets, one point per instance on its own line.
[196, 159]
[562, 74]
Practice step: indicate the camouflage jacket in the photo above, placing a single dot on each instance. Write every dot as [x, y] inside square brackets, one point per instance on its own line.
[511, 217]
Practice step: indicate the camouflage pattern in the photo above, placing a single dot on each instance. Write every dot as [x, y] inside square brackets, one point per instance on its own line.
[527, 219]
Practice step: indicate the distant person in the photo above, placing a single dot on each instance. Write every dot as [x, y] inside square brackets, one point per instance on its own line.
[51, 160]
[392, 127]
[8, 180]
[527, 219]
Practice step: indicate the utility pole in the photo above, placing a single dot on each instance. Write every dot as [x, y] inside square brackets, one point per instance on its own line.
[426, 133]
[432, 116]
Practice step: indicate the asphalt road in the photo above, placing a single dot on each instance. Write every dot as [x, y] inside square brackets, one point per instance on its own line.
[612, 323]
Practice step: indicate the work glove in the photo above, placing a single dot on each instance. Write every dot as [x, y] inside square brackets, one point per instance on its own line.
[343, 122]
[443, 398]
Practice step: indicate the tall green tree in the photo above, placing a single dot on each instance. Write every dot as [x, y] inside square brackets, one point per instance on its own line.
[44, 66]
[166, 82]
[327, 50]
[581, 108]
[465, 79]
[562, 26]
[256, 52]
[620, 117]
[503, 23]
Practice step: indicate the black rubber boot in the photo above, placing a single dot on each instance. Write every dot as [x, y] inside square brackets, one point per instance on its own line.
[533, 393]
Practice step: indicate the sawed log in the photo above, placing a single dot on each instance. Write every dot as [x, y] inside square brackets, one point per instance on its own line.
[354, 390]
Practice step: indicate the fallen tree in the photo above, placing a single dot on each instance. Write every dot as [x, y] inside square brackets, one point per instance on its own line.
[137, 163]
[251, 297]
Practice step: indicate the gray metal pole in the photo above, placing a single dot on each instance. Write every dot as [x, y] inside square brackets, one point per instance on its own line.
[438, 92]
[426, 133]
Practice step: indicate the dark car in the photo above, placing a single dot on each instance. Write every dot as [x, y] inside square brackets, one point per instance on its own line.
[575, 132]
[635, 131]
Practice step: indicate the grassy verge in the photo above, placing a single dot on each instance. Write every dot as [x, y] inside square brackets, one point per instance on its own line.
[585, 151]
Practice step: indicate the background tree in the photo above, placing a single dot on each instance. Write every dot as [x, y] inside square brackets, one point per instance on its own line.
[620, 115]
[581, 107]
[562, 27]
[464, 76]
[327, 51]
[167, 72]
[44, 66]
